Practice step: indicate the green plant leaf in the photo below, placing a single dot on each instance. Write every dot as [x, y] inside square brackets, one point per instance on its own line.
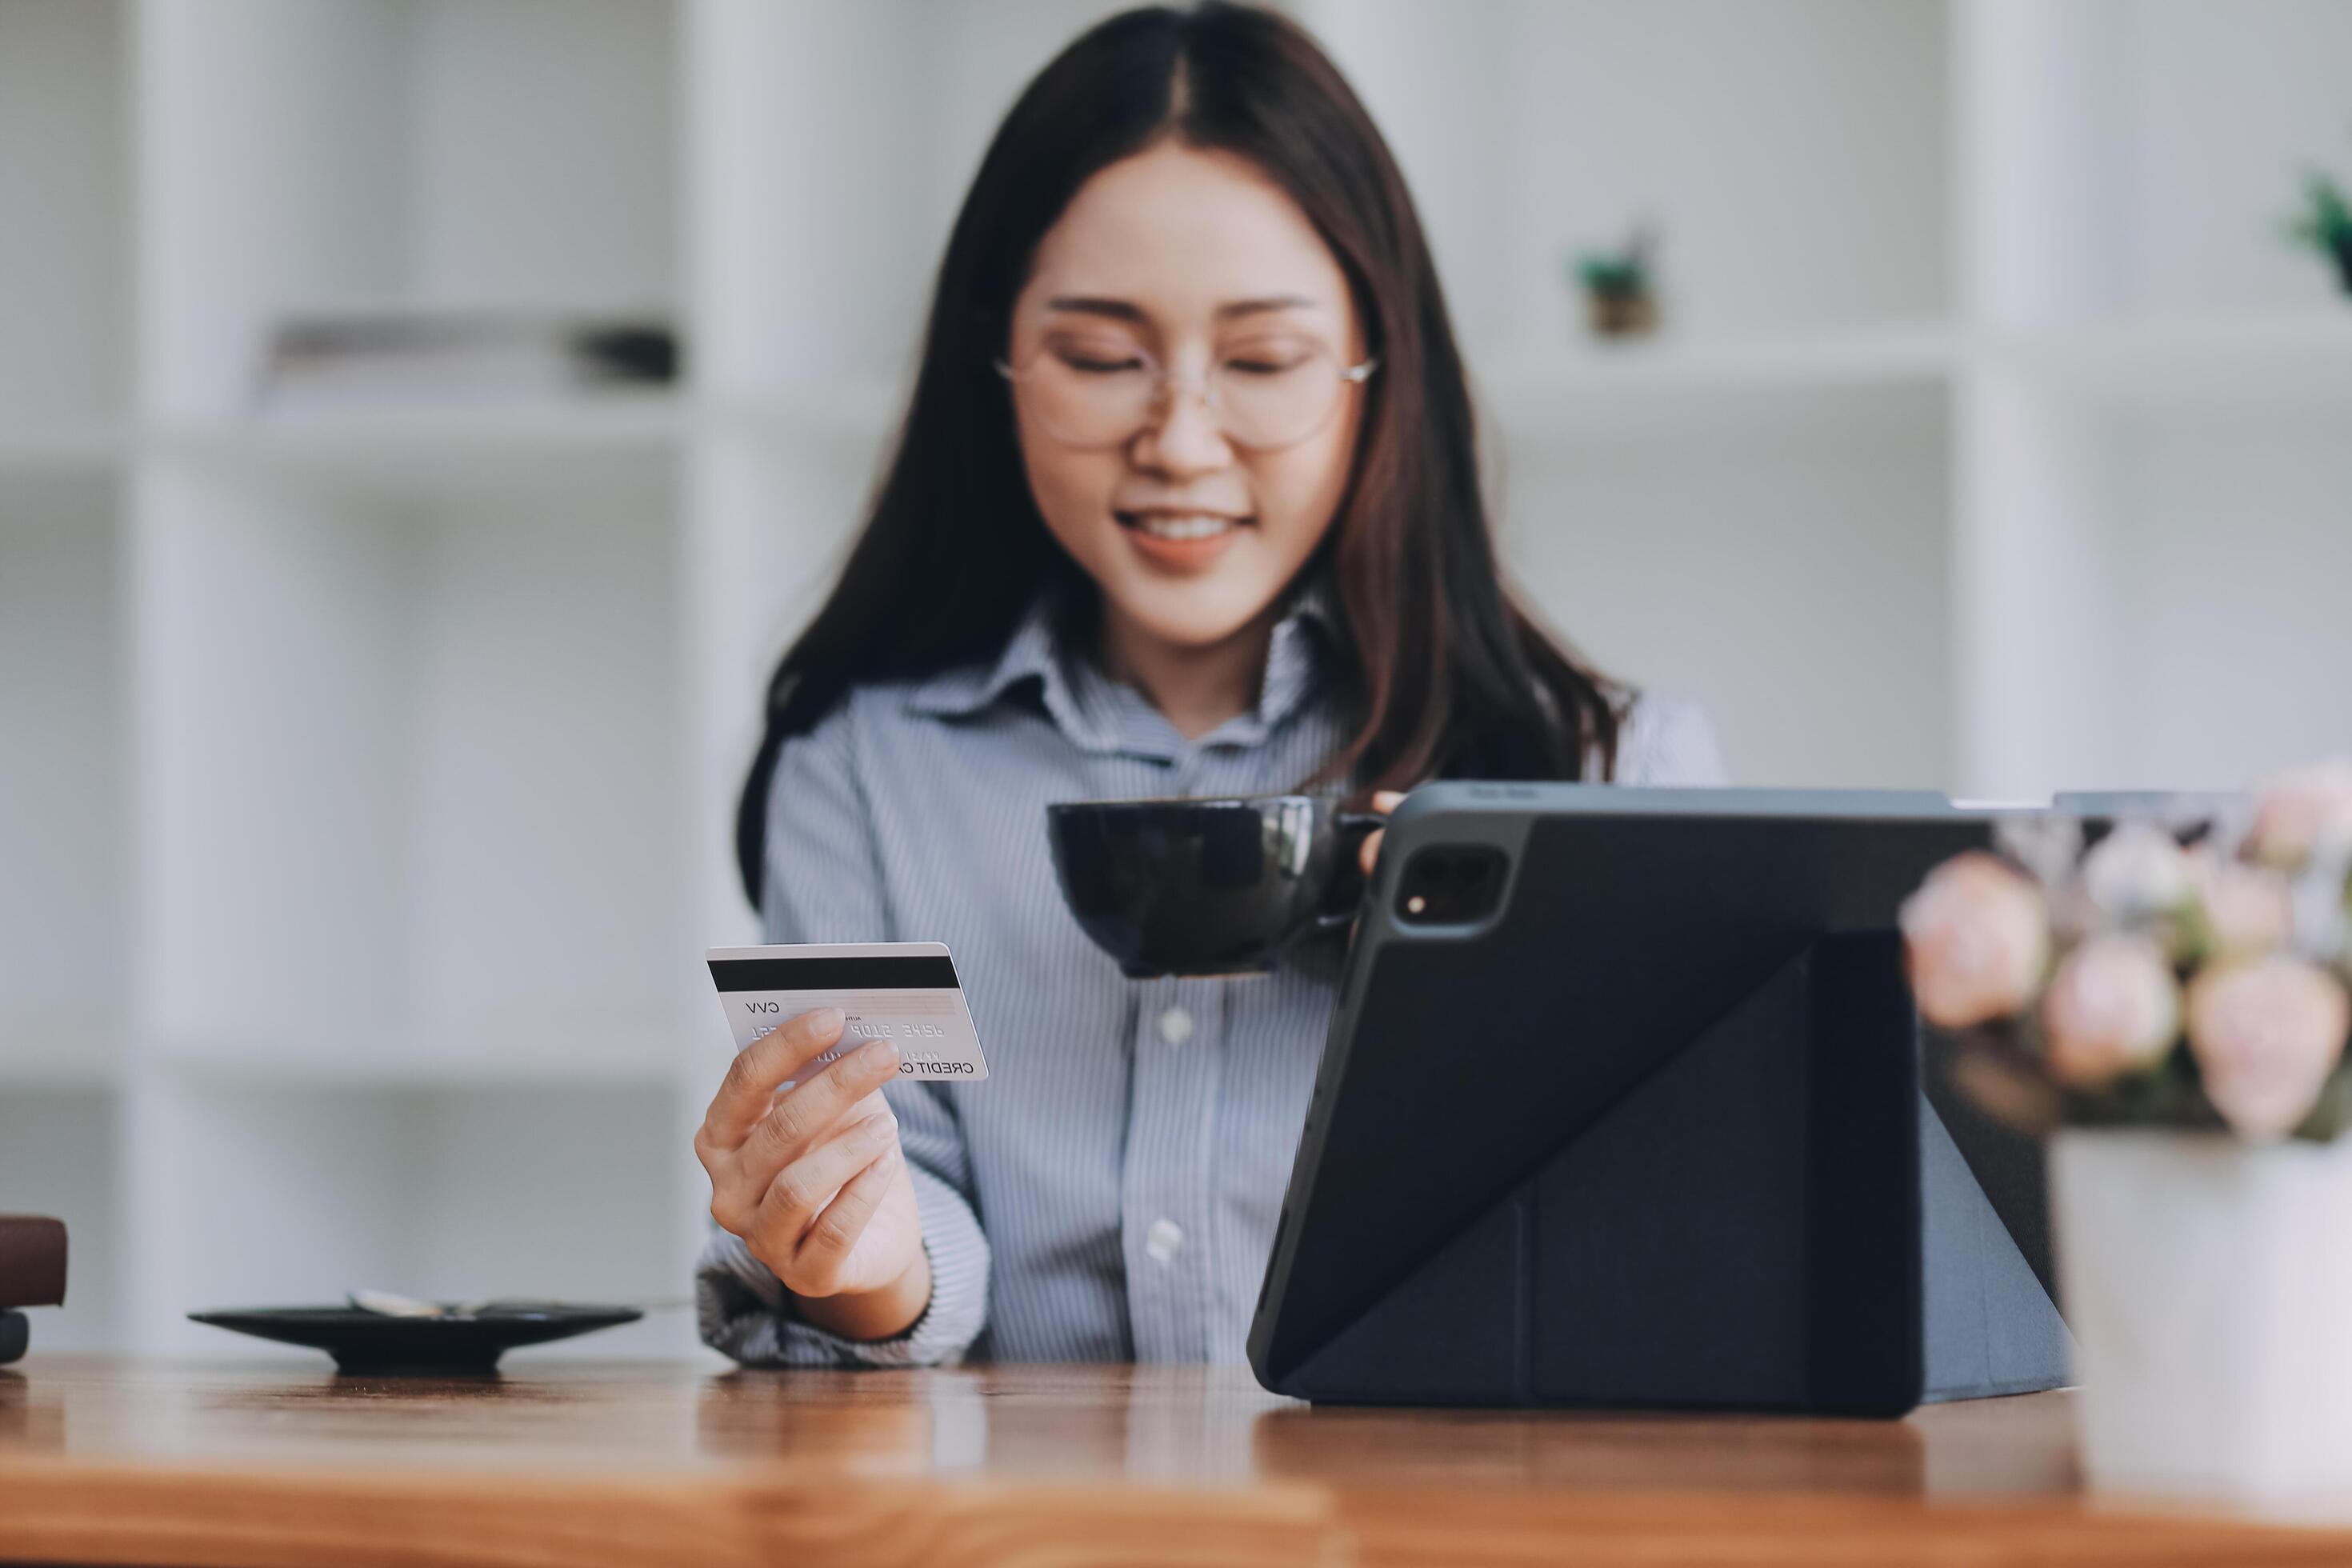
[2166, 1095]
[2326, 215]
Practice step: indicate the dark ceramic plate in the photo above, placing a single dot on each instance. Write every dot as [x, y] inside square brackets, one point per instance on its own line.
[372, 1342]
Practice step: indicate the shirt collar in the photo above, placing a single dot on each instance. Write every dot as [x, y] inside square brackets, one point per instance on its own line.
[1101, 715]
[1032, 653]
[1302, 655]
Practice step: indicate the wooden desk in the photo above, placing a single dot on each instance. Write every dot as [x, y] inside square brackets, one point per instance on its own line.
[564, 1463]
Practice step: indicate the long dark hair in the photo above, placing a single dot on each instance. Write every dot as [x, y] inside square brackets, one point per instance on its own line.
[1451, 676]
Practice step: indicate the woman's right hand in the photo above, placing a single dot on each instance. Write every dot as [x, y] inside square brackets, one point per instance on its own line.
[813, 1180]
[1385, 803]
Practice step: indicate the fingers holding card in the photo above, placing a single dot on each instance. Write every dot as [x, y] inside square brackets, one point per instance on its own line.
[803, 1154]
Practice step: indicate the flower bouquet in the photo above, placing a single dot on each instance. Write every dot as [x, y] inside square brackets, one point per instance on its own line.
[2172, 1002]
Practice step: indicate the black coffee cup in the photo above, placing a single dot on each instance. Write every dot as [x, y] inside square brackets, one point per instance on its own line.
[1206, 887]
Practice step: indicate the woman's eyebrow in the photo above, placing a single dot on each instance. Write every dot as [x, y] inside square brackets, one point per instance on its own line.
[1271, 302]
[1128, 311]
[1092, 305]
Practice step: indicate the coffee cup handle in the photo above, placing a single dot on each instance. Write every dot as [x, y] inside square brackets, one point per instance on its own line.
[1351, 828]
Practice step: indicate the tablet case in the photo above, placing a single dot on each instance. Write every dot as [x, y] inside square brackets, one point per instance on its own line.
[1658, 1134]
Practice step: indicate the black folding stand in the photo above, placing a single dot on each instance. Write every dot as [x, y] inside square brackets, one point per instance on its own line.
[1777, 1217]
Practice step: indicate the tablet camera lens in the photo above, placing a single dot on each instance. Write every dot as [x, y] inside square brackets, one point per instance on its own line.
[1450, 885]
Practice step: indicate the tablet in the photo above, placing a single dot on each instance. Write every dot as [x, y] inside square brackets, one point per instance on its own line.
[1638, 1119]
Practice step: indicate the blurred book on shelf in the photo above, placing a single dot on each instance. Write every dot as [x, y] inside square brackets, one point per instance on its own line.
[330, 362]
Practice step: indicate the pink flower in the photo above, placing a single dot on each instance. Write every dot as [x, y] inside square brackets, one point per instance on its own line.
[2249, 909]
[2112, 1006]
[2302, 814]
[1979, 936]
[2136, 871]
[2266, 1033]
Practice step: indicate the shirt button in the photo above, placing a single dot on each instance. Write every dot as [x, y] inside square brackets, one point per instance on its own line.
[1161, 1242]
[1176, 1026]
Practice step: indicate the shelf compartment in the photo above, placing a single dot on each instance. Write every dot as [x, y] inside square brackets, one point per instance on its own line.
[2149, 597]
[379, 154]
[1790, 579]
[413, 767]
[2135, 160]
[1534, 131]
[2230, 540]
[2220, 109]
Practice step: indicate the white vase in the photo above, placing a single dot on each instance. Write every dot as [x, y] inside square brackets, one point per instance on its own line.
[2208, 1284]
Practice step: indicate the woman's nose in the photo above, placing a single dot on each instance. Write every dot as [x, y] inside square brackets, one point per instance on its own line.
[1185, 435]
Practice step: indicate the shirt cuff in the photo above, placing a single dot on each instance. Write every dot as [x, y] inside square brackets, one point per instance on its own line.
[745, 1312]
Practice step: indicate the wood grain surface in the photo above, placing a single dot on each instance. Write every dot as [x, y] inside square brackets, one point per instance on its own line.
[561, 1461]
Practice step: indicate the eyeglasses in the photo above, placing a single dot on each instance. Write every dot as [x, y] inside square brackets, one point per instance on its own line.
[1262, 399]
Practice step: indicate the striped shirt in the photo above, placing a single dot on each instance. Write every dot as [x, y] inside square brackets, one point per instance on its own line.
[1110, 1193]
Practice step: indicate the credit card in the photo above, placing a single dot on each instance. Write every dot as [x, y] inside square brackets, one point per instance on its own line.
[903, 992]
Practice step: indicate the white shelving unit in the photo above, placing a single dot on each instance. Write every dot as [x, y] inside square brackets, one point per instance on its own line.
[365, 780]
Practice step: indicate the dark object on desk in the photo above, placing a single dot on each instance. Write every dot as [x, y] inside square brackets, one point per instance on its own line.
[32, 1261]
[1206, 887]
[1656, 1134]
[365, 1341]
[31, 1274]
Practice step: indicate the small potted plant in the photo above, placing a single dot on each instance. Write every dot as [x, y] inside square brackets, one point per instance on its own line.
[2324, 222]
[1620, 296]
[2171, 1005]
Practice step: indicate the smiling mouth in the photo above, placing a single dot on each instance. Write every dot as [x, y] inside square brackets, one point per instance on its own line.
[1179, 528]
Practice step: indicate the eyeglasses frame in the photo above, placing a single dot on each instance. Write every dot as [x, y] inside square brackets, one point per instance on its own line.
[1164, 378]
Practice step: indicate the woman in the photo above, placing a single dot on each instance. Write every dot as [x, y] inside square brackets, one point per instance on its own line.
[1186, 502]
